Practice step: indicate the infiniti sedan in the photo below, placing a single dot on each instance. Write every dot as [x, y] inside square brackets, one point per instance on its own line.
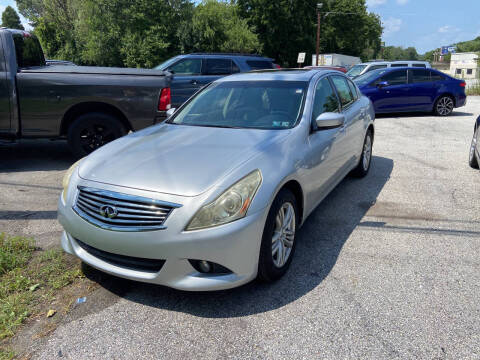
[214, 197]
[474, 155]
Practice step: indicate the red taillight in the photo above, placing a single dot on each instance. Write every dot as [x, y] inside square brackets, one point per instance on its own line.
[165, 100]
[277, 66]
[463, 84]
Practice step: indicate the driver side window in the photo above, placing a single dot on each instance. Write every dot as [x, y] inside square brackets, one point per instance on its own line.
[325, 99]
[187, 67]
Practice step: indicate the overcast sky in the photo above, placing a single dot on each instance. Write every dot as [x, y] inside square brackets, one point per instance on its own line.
[424, 24]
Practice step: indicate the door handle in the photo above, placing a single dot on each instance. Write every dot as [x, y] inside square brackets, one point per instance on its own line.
[193, 82]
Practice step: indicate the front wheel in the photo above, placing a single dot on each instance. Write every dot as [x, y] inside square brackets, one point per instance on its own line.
[90, 131]
[278, 240]
[472, 158]
[444, 106]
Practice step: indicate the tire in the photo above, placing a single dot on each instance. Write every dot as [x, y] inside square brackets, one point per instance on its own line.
[270, 266]
[472, 158]
[366, 158]
[90, 131]
[444, 106]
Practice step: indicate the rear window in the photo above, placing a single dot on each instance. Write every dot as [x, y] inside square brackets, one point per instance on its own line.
[259, 64]
[28, 50]
[437, 77]
[219, 67]
[420, 75]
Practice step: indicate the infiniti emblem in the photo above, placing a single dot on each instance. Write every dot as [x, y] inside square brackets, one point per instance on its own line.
[108, 211]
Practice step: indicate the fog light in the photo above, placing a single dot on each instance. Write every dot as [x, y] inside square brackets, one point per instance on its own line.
[204, 266]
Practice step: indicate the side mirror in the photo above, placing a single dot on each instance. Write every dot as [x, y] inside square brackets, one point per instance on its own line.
[330, 120]
[170, 112]
[382, 84]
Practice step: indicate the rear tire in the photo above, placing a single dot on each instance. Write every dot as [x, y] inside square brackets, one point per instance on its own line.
[366, 158]
[472, 158]
[278, 240]
[444, 106]
[90, 131]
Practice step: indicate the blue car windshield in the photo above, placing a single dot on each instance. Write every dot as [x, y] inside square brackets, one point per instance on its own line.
[246, 104]
[368, 77]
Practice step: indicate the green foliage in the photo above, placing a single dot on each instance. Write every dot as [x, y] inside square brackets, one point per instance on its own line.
[287, 27]
[392, 53]
[14, 252]
[217, 27]
[10, 19]
[144, 33]
[26, 276]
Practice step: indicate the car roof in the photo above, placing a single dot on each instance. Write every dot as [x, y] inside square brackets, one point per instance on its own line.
[228, 55]
[16, 31]
[278, 74]
[393, 62]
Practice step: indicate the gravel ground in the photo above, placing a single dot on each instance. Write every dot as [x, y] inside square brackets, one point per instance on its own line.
[387, 266]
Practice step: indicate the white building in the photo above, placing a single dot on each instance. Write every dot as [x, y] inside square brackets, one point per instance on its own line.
[464, 65]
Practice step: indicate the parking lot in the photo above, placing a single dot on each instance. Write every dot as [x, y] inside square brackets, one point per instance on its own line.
[386, 267]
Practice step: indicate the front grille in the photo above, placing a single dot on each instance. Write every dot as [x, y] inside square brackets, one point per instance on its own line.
[128, 262]
[121, 212]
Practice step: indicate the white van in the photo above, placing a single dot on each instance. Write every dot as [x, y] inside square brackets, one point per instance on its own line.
[363, 68]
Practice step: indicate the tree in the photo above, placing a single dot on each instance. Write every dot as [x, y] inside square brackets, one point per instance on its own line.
[393, 53]
[287, 27]
[10, 19]
[217, 27]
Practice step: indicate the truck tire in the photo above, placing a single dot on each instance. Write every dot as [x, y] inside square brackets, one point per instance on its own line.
[90, 131]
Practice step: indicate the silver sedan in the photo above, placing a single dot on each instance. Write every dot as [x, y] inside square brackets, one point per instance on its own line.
[214, 197]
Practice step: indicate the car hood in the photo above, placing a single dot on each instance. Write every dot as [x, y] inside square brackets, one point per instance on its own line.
[176, 159]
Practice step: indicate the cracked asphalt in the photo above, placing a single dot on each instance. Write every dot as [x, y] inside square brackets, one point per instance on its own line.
[387, 267]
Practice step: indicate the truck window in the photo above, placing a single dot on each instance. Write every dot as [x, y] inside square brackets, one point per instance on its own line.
[28, 50]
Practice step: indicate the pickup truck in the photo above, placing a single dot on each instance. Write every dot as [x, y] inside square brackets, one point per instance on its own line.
[88, 106]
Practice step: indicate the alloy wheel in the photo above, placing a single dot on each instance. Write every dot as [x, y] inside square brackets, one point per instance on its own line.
[445, 106]
[283, 235]
[367, 152]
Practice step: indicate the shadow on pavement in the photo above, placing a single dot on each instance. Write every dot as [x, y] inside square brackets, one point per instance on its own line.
[320, 241]
[35, 155]
[420, 114]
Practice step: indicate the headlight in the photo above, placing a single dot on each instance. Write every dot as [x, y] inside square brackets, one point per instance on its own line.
[66, 179]
[232, 205]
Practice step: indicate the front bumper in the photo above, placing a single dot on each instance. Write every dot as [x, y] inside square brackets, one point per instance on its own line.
[235, 246]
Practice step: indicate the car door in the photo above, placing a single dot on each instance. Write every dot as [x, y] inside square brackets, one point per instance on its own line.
[352, 110]
[324, 157]
[394, 96]
[422, 90]
[187, 79]
[4, 94]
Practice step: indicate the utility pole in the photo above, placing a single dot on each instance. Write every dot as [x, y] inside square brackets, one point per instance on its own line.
[319, 6]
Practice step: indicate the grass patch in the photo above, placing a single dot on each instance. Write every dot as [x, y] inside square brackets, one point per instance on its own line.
[29, 277]
[474, 89]
[6, 354]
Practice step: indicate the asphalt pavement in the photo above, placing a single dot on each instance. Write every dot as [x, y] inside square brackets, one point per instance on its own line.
[387, 267]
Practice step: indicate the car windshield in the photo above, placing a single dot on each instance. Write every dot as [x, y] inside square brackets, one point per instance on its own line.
[166, 64]
[245, 104]
[368, 77]
[356, 70]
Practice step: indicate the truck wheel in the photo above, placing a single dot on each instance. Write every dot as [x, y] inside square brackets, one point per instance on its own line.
[90, 131]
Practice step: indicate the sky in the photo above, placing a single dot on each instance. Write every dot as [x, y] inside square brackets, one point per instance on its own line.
[427, 24]
[424, 24]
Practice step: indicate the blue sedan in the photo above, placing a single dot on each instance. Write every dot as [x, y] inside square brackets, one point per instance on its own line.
[412, 89]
